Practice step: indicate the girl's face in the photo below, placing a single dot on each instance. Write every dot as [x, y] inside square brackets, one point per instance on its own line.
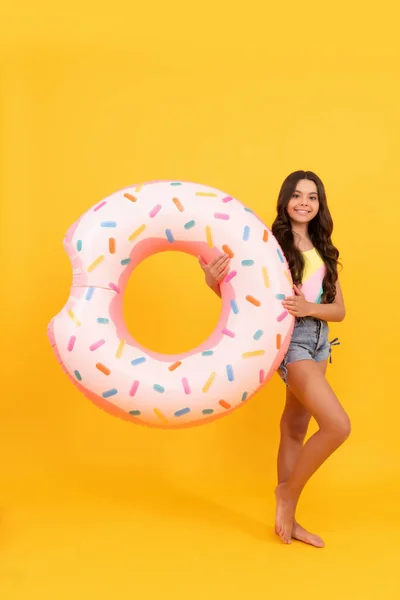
[304, 203]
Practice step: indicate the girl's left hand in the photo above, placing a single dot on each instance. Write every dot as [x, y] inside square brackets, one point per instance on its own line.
[297, 305]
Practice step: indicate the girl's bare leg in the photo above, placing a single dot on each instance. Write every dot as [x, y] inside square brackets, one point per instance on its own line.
[294, 425]
[309, 385]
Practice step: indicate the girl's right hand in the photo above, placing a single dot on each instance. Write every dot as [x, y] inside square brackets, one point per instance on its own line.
[216, 270]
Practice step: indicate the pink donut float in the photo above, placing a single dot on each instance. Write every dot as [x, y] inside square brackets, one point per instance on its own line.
[93, 345]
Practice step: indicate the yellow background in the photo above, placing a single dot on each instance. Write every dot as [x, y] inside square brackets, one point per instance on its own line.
[95, 98]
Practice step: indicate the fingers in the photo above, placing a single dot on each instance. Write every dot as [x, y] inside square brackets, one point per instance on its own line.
[292, 310]
[291, 306]
[218, 268]
[298, 291]
[223, 274]
[291, 300]
[220, 261]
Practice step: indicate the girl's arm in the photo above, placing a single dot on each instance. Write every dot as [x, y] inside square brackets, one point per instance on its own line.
[298, 306]
[330, 312]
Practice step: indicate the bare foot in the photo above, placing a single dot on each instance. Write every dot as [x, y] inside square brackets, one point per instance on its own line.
[301, 534]
[285, 510]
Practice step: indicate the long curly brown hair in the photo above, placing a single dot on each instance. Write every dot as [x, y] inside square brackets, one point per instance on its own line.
[320, 230]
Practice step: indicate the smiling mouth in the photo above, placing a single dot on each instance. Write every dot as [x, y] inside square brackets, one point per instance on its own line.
[302, 211]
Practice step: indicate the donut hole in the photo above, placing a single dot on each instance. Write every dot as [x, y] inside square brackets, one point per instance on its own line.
[167, 306]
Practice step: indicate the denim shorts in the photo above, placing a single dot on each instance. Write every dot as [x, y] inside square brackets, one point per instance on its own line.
[309, 342]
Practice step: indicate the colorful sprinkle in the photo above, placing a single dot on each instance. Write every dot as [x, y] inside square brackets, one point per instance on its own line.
[178, 204]
[244, 396]
[139, 187]
[228, 251]
[169, 235]
[96, 345]
[138, 361]
[253, 300]
[265, 236]
[135, 413]
[174, 366]
[186, 386]
[130, 197]
[99, 206]
[111, 245]
[229, 372]
[246, 233]
[209, 194]
[79, 245]
[114, 287]
[253, 353]
[209, 237]
[280, 296]
[190, 224]
[288, 277]
[108, 223]
[159, 414]
[102, 320]
[208, 383]
[120, 349]
[207, 353]
[78, 375]
[265, 276]
[134, 388]
[278, 341]
[182, 411]
[158, 388]
[95, 263]
[227, 199]
[207, 411]
[73, 317]
[228, 332]
[262, 375]
[258, 334]
[280, 255]
[176, 183]
[71, 343]
[137, 232]
[125, 261]
[89, 294]
[109, 393]
[103, 369]
[282, 316]
[224, 404]
[230, 276]
[222, 216]
[154, 211]
[234, 306]
[247, 263]
[248, 209]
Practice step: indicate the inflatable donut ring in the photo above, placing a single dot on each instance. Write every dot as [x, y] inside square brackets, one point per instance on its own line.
[103, 360]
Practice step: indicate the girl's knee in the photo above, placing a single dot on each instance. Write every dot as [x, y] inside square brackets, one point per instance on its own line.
[340, 428]
[346, 426]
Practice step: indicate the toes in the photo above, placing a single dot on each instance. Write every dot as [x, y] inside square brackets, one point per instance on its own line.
[285, 535]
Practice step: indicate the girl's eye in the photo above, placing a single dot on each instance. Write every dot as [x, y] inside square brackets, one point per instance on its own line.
[311, 198]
